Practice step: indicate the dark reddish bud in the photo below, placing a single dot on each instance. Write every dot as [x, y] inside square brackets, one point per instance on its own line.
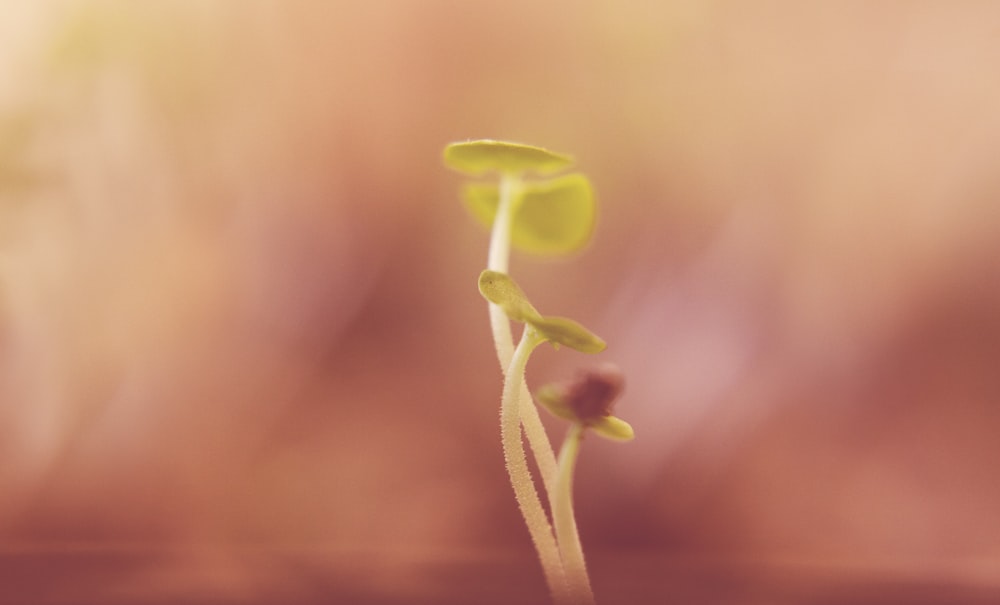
[593, 391]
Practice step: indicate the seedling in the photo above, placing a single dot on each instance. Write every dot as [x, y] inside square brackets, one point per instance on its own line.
[532, 210]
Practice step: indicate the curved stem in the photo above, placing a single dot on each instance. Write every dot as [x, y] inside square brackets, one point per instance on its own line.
[499, 260]
[538, 441]
[520, 476]
[567, 536]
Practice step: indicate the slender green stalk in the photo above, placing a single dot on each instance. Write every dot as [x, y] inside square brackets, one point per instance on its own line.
[520, 476]
[499, 260]
[567, 536]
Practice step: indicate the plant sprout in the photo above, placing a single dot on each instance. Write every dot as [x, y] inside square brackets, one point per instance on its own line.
[536, 212]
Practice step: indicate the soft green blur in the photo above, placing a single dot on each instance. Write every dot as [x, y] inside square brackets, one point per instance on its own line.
[551, 217]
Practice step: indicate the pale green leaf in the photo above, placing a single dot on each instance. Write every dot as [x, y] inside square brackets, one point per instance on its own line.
[560, 330]
[483, 156]
[553, 398]
[614, 428]
[482, 200]
[501, 289]
[554, 216]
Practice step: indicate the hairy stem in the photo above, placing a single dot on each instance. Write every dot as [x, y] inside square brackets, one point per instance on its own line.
[499, 260]
[567, 536]
[538, 440]
[520, 476]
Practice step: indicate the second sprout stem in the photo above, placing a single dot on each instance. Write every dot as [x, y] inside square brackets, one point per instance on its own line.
[564, 520]
[520, 476]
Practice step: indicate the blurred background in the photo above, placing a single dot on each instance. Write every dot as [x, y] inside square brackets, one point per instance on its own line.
[242, 353]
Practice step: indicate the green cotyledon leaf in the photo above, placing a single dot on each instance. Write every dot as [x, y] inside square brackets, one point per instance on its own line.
[480, 157]
[553, 398]
[554, 216]
[563, 331]
[501, 289]
[614, 428]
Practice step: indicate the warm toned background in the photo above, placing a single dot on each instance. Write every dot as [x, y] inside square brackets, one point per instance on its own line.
[238, 314]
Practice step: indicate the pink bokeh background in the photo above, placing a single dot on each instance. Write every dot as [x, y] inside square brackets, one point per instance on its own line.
[237, 286]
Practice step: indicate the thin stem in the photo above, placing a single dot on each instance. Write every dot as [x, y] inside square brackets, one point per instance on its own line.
[564, 520]
[499, 254]
[499, 260]
[520, 477]
[538, 440]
